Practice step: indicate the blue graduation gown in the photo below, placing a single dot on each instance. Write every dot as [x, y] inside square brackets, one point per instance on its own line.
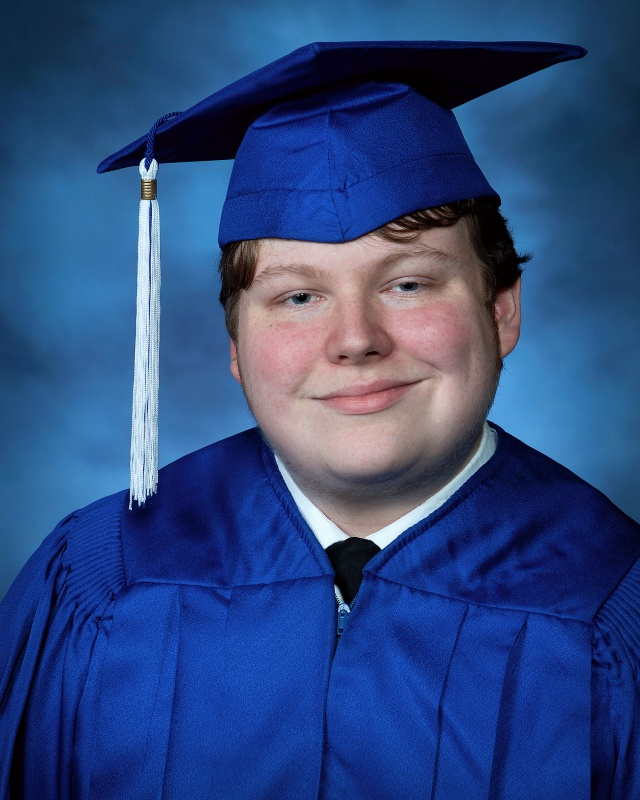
[188, 649]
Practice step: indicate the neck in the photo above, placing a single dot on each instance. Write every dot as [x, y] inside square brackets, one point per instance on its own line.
[360, 508]
[358, 519]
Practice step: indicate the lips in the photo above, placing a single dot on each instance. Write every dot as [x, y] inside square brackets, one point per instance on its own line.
[367, 398]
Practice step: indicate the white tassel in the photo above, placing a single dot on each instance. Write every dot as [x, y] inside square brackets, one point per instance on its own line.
[144, 423]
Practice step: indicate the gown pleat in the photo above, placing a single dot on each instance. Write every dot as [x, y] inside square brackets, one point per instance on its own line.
[189, 649]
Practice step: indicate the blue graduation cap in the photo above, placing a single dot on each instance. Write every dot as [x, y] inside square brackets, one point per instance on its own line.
[339, 138]
[330, 142]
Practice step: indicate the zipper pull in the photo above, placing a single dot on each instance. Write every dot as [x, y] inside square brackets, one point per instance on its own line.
[343, 612]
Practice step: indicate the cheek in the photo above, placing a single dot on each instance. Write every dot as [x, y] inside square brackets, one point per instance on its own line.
[273, 355]
[445, 335]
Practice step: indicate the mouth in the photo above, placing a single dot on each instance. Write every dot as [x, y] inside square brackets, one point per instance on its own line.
[367, 398]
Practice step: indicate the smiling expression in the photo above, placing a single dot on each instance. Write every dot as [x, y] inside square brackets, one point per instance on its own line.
[370, 366]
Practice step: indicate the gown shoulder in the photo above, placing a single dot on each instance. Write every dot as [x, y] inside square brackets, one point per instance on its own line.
[616, 692]
[52, 617]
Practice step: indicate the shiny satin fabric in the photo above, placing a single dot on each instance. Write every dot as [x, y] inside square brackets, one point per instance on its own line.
[338, 138]
[188, 649]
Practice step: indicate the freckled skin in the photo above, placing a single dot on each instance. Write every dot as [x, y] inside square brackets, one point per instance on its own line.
[370, 366]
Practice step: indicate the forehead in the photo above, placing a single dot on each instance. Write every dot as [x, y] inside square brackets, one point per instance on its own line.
[450, 246]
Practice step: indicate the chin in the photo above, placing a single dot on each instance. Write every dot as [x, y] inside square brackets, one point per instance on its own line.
[380, 471]
[428, 457]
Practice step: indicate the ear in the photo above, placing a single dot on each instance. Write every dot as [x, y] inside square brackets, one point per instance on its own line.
[233, 366]
[507, 314]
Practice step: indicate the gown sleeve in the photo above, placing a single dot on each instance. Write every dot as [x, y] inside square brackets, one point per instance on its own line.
[615, 739]
[51, 622]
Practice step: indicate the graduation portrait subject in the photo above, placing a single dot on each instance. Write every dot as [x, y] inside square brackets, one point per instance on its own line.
[376, 592]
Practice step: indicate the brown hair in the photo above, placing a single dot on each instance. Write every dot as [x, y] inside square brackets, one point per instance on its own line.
[500, 264]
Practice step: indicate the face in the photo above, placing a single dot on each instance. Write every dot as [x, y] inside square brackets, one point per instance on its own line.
[370, 366]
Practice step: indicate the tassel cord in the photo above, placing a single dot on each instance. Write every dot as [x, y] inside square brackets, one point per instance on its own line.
[144, 425]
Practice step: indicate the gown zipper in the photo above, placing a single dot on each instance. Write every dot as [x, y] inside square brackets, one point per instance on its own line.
[344, 609]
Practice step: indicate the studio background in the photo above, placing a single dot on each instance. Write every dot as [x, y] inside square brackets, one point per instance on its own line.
[80, 79]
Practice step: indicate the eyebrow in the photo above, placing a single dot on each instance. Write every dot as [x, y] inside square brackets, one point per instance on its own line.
[274, 271]
[417, 251]
[310, 271]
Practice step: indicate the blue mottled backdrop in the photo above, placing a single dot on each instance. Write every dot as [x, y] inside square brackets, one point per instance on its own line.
[80, 79]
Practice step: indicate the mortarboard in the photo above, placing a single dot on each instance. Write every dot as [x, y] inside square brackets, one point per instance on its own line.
[330, 142]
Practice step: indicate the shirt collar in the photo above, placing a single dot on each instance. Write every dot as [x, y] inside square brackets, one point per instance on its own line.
[327, 532]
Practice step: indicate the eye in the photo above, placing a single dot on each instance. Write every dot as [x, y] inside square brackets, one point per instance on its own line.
[407, 286]
[300, 299]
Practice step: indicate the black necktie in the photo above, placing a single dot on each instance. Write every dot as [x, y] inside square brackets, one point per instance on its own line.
[347, 558]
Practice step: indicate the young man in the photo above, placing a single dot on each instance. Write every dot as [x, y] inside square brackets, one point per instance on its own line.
[375, 593]
[370, 366]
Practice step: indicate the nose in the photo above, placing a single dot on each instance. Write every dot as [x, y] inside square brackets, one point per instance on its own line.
[357, 334]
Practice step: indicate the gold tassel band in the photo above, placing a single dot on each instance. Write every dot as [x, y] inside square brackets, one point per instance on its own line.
[148, 190]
